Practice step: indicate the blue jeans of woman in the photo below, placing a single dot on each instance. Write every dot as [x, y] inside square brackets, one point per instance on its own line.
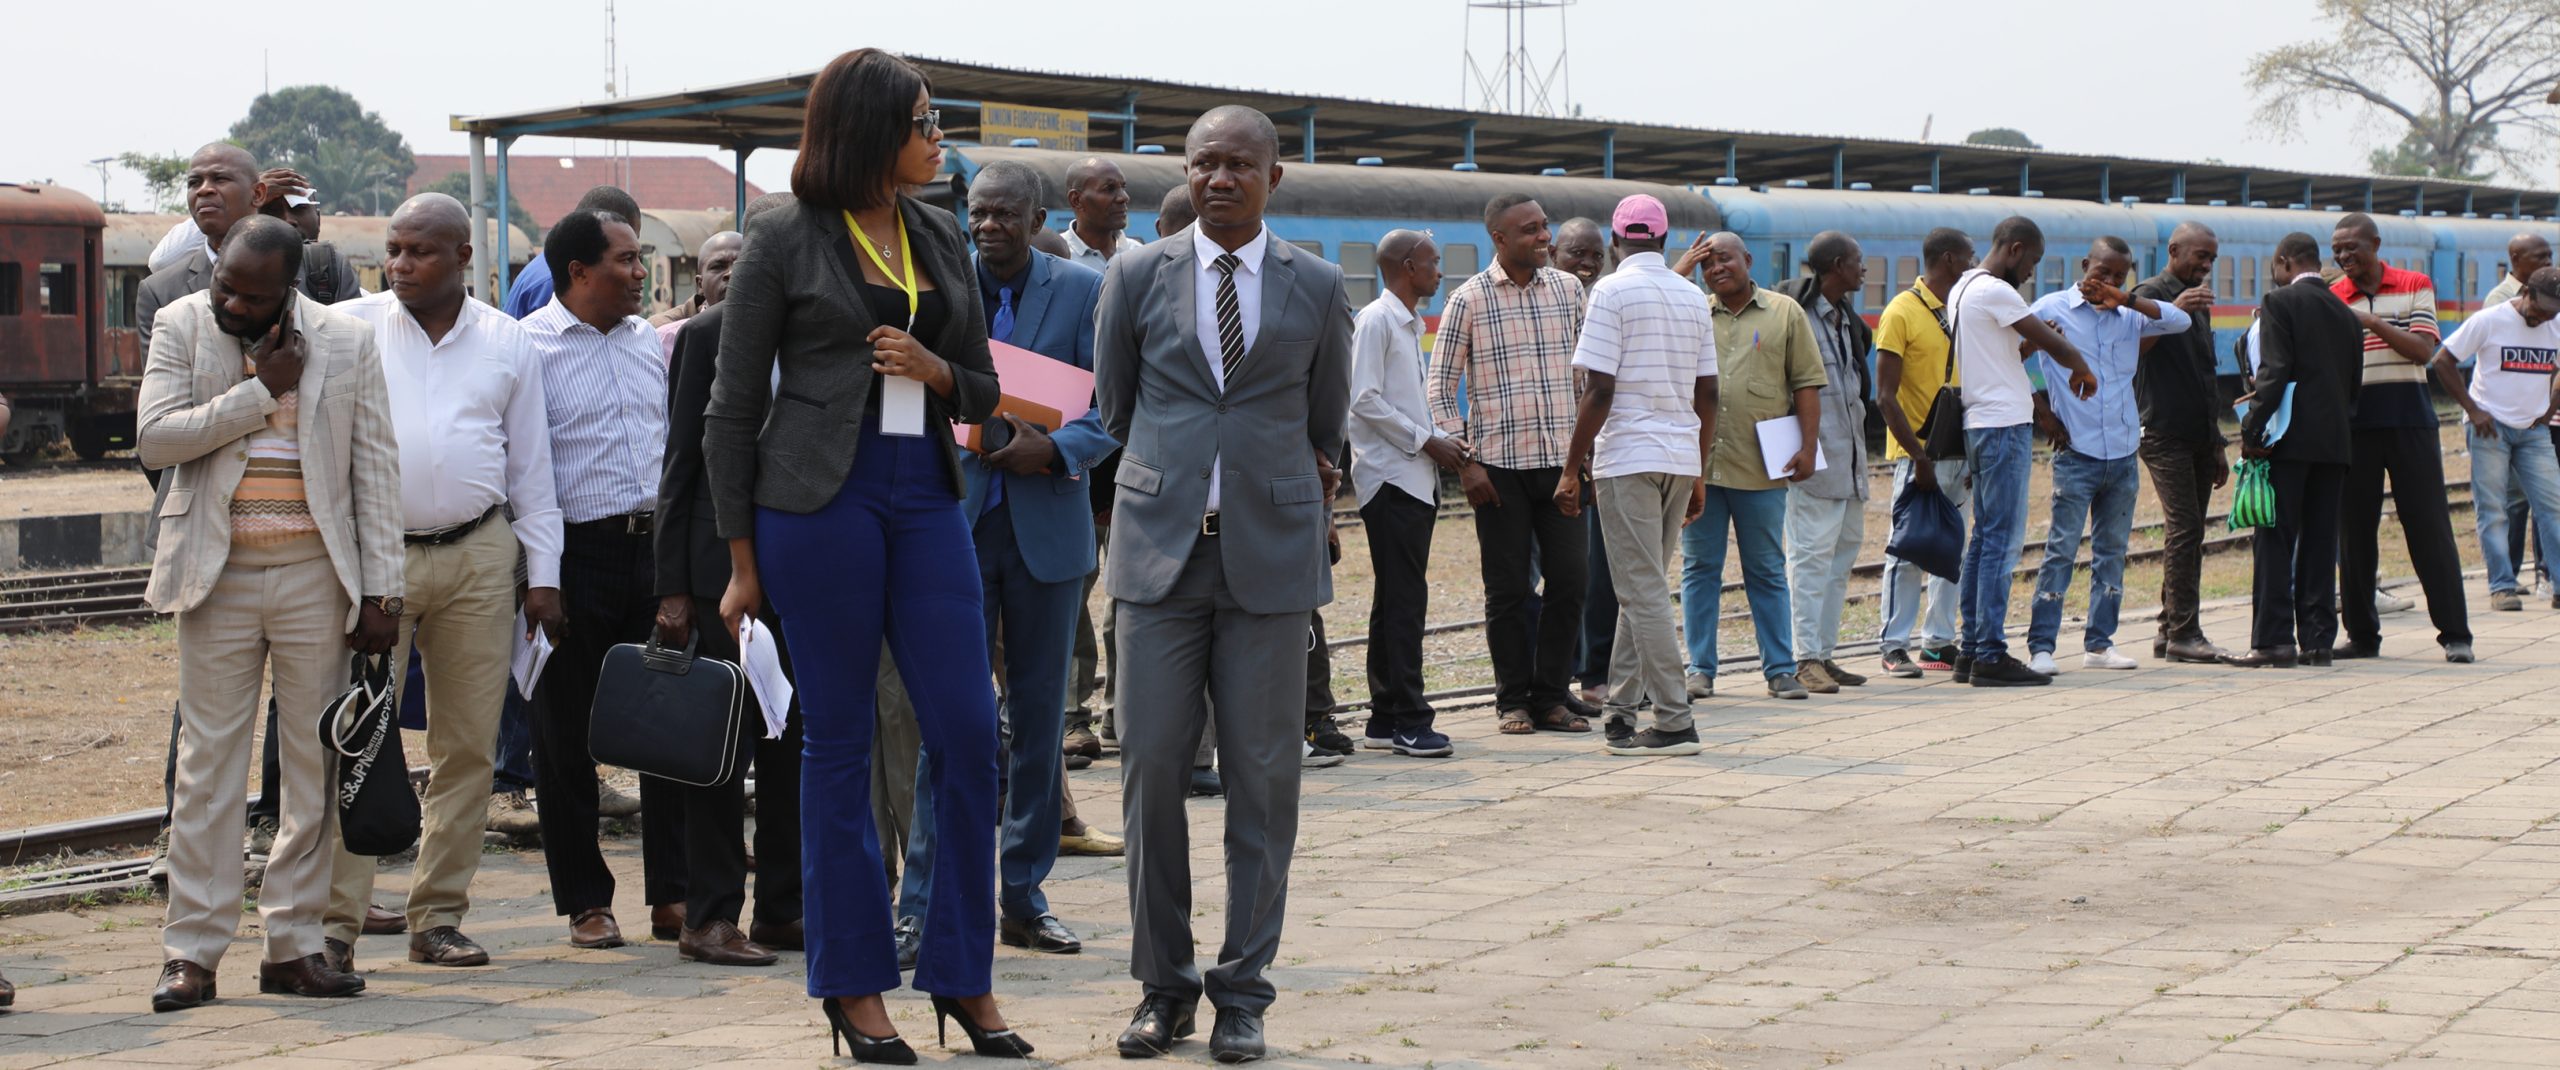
[890, 557]
[2002, 459]
[2094, 496]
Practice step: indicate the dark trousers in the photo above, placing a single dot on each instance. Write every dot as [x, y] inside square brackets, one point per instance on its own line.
[889, 559]
[1522, 540]
[514, 770]
[605, 579]
[261, 805]
[2413, 458]
[1599, 602]
[715, 846]
[1399, 526]
[2297, 560]
[2182, 476]
[1319, 671]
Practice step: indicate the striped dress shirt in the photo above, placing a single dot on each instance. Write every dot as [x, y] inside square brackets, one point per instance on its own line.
[1502, 367]
[606, 395]
[2394, 393]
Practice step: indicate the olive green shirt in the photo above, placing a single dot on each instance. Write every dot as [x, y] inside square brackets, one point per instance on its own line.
[1764, 354]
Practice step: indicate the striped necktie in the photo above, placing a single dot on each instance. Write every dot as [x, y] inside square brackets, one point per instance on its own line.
[1230, 320]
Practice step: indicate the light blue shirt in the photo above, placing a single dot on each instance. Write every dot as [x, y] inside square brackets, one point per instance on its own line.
[2109, 424]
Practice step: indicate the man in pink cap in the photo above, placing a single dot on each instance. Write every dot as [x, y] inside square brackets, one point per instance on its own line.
[1648, 414]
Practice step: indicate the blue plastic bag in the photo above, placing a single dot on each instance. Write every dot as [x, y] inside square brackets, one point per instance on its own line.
[1927, 531]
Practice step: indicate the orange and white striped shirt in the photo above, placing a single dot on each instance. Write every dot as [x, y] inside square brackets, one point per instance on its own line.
[269, 508]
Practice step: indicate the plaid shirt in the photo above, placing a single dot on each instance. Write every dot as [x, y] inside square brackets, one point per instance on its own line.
[1510, 349]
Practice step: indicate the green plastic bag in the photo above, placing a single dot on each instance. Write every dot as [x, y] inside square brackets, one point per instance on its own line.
[2253, 498]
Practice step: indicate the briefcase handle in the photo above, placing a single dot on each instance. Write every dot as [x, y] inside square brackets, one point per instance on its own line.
[657, 658]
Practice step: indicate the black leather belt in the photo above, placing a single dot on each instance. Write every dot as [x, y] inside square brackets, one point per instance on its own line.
[441, 536]
[626, 524]
[1208, 523]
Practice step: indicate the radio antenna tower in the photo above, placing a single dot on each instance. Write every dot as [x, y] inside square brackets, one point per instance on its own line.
[1526, 79]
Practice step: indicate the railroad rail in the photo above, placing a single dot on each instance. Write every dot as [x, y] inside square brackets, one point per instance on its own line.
[41, 601]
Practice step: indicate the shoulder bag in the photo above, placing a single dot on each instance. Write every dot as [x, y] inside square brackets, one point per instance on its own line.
[668, 713]
[1942, 433]
[377, 811]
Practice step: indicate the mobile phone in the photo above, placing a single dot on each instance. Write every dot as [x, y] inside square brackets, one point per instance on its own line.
[995, 434]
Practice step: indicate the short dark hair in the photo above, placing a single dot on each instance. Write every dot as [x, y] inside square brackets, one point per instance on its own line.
[266, 234]
[861, 112]
[1944, 241]
[1176, 208]
[1827, 250]
[2299, 248]
[2015, 229]
[1494, 208]
[2361, 223]
[2112, 244]
[578, 238]
[611, 199]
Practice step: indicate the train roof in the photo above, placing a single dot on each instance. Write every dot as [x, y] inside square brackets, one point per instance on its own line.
[1354, 191]
[2266, 226]
[44, 203]
[1875, 214]
[2485, 233]
[130, 236]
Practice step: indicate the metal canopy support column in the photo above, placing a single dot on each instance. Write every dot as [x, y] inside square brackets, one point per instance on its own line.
[738, 221]
[2467, 200]
[1839, 167]
[1129, 122]
[1469, 128]
[2306, 194]
[498, 293]
[1306, 118]
[2106, 182]
[2422, 200]
[1729, 160]
[2026, 177]
[1935, 160]
[2178, 184]
[1609, 153]
[2518, 207]
[2244, 190]
[480, 210]
[2368, 195]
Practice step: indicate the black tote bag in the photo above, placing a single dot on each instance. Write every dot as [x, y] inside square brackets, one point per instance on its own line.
[377, 812]
[668, 713]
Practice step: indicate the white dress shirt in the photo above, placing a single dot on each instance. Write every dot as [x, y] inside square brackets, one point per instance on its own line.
[1094, 258]
[473, 432]
[606, 395]
[175, 246]
[1390, 418]
[1204, 313]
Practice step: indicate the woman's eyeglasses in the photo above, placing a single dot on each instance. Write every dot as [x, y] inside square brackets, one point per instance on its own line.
[928, 121]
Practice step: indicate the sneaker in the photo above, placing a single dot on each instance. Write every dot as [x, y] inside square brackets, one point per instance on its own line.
[2387, 602]
[2458, 653]
[1899, 663]
[1617, 730]
[615, 802]
[2005, 671]
[262, 835]
[1941, 659]
[1811, 676]
[909, 940]
[512, 814]
[1311, 758]
[1653, 742]
[1701, 685]
[1422, 743]
[1786, 685]
[2107, 659]
[2042, 664]
[1841, 676]
[1379, 734]
[2506, 601]
[1963, 669]
[1326, 736]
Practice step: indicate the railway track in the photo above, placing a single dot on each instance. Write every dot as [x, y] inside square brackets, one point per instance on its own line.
[42, 601]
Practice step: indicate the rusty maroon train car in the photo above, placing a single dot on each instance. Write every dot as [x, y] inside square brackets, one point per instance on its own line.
[65, 374]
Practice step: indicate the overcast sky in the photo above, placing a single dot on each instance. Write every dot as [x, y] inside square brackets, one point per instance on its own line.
[2162, 81]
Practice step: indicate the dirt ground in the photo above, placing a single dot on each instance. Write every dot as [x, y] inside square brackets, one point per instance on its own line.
[83, 716]
[72, 492]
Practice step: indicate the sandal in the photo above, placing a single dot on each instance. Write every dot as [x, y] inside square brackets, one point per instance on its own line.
[1516, 723]
[1562, 719]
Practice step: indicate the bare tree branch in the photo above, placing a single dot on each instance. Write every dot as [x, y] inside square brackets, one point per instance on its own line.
[2454, 73]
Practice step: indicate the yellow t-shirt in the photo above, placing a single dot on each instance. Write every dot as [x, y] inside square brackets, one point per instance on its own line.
[1909, 326]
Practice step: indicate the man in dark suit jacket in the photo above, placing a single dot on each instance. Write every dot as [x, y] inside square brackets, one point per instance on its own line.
[2309, 345]
[1223, 365]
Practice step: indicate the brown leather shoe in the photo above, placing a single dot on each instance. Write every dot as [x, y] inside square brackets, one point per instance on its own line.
[379, 921]
[309, 975]
[183, 985]
[779, 936]
[8, 992]
[445, 945]
[721, 944]
[341, 954]
[593, 929]
[666, 921]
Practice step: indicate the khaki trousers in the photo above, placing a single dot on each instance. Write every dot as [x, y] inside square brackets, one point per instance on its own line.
[1640, 519]
[461, 617]
[288, 621]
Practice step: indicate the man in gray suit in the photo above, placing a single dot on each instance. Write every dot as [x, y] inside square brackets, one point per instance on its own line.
[1222, 361]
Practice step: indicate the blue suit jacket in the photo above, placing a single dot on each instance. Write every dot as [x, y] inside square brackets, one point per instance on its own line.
[1053, 514]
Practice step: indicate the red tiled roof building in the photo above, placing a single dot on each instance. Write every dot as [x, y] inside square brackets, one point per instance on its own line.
[549, 186]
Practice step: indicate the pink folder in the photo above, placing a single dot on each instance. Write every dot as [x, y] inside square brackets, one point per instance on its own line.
[1051, 393]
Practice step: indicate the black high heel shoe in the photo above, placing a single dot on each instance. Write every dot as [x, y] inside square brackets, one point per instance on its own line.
[1001, 1044]
[888, 1051]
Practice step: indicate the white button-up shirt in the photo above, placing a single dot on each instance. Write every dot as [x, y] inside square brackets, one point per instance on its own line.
[468, 411]
[1390, 418]
[1095, 258]
[1204, 313]
[606, 394]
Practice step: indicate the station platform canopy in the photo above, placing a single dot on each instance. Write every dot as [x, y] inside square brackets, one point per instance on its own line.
[995, 105]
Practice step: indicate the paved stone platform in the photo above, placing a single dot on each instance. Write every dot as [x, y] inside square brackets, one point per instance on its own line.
[2177, 866]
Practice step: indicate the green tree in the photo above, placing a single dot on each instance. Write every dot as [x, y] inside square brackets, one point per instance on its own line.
[2415, 156]
[290, 127]
[164, 175]
[458, 186]
[2451, 72]
[2002, 136]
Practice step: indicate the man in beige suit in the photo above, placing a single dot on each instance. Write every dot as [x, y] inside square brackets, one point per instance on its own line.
[282, 513]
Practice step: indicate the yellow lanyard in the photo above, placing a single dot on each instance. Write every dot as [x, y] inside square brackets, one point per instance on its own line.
[906, 257]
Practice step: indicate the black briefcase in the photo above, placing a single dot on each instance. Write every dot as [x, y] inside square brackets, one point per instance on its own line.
[668, 713]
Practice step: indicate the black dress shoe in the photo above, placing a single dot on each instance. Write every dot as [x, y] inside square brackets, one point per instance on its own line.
[910, 937]
[1237, 1037]
[183, 985]
[1043, 933]
[2282, 657]
[2458, 653]
[1160, 1021]
[309, 975]
[2353, 651]
[2318, 659]
[1206, 785]
[2191, 652]
[780, 936]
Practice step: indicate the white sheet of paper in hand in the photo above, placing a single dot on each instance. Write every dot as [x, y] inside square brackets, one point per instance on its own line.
[1779, 441]
[901, 406]
[764, 674]
[531, 655]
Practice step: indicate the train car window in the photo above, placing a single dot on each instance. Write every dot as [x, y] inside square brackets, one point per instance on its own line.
[2470, 278]
[1315, 247]
[12, 283]
[1906, 271]
[2226, 283]
[1782, 262]
[1360, 272]
[56, 292]
[1878, 283]
[2245, 276]
[1458, 263]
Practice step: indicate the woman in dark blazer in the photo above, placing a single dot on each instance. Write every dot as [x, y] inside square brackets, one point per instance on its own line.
[857, 292]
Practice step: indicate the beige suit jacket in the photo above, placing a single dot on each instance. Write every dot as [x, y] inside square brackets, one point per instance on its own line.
[197, 412]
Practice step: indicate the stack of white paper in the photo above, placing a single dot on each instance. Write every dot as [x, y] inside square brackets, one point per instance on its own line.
[1779, 441]
[531, 655]
[763, 663]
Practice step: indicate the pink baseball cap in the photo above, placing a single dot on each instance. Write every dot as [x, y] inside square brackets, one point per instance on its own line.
[1641, 216]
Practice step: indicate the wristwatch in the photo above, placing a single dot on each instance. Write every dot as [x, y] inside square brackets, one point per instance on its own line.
[390, 607]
